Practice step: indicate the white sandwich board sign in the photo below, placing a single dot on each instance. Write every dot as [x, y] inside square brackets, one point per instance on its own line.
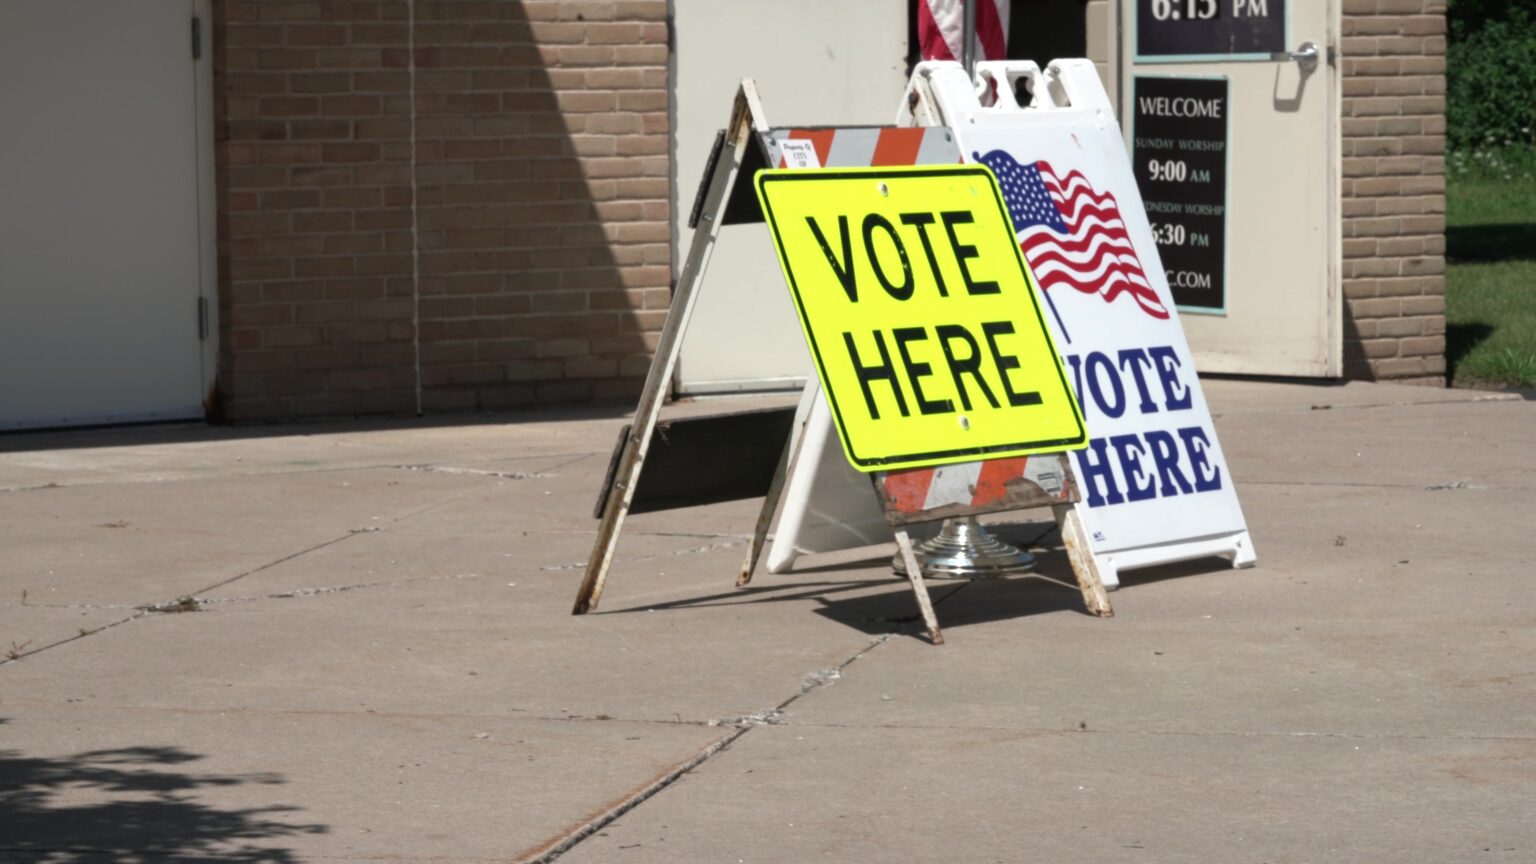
[1155, 484]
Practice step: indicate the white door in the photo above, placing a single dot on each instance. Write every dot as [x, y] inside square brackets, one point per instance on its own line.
[101, 258]
[1246, 217]
[816, 64]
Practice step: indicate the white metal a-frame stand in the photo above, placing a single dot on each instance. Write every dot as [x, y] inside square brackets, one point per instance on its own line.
[746, 120]
[746, 145]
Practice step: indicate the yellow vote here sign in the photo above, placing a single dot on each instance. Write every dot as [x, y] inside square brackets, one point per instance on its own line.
[920, 314]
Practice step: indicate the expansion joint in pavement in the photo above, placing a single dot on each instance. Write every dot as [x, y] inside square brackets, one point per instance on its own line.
[476, 472]
[692, 550]
[185, 603]
[36, 488]
[549, 852]
[1450, 485]
[551, 471]
[15, 653]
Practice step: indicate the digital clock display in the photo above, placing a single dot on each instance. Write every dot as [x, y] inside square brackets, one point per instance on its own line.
[1209, 29]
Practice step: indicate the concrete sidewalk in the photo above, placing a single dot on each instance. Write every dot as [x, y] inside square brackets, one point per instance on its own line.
[380, 664]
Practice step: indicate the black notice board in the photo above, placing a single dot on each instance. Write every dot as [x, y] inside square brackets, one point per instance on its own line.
[1195, 29]
[1179, 155]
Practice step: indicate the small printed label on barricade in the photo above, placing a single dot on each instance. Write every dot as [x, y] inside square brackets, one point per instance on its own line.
[921, 317]
[799, 154]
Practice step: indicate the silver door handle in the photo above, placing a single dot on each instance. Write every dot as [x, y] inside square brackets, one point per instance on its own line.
[1305, 56]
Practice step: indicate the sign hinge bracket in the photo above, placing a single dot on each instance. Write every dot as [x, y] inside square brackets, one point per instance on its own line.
[197, 38]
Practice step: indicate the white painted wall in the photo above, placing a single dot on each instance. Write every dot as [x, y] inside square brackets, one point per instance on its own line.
[815, 63]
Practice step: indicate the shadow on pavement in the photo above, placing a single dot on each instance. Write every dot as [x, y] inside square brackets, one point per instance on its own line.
[132, 804]
[762, 590]
[1175, 570]
[1051, 588]
[958, 604]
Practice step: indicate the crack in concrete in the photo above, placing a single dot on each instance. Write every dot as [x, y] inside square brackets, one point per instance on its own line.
[193, 601]
[551, 471]
[478, 472]
[1330, 484]
[1082, 729]
[233, 856]
[286, 558]
[36, 488]
[778, 718]
[181, 604]
[549, 852]
[17, 656]
[184, 603]
[813, 681]
[335, 589]
[1369, 406]
[506, 715]
[695, 550]
[189, 602]
[284, 469]
[27, 604]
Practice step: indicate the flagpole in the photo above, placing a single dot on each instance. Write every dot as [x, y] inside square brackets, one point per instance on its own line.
[968, 38]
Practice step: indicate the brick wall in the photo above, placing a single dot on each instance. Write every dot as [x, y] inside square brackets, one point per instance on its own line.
[1392, 55]
[469, 198]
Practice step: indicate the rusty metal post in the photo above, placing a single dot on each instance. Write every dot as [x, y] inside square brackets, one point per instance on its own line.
[915, 576]
[770, 505]
[1075, 540]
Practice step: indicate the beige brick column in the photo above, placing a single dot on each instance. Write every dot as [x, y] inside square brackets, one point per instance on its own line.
[1392, 56]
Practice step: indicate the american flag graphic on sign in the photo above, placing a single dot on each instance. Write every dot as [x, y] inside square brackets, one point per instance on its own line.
[1071, 233]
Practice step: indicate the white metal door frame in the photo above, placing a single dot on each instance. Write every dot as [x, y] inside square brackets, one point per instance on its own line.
[207, 202]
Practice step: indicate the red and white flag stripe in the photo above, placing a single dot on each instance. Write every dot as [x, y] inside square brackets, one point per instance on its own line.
[1097, 256]
[941, 25]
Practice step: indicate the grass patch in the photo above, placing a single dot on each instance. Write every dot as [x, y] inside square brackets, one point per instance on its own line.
[1490, 282]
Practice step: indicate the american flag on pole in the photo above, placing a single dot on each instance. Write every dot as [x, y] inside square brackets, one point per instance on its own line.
[941, 25]
[1071, 233]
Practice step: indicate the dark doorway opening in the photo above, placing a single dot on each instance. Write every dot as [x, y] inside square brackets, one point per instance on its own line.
[1043, 30]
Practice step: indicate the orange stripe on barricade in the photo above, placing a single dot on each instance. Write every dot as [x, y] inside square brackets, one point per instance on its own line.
[821, 142]
[908, 490]
[898, 146]
[980, 487]
[992, 483]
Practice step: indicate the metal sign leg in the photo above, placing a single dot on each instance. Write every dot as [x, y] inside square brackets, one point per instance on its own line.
[770, 504]
[915, 576]
[1080, 554]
